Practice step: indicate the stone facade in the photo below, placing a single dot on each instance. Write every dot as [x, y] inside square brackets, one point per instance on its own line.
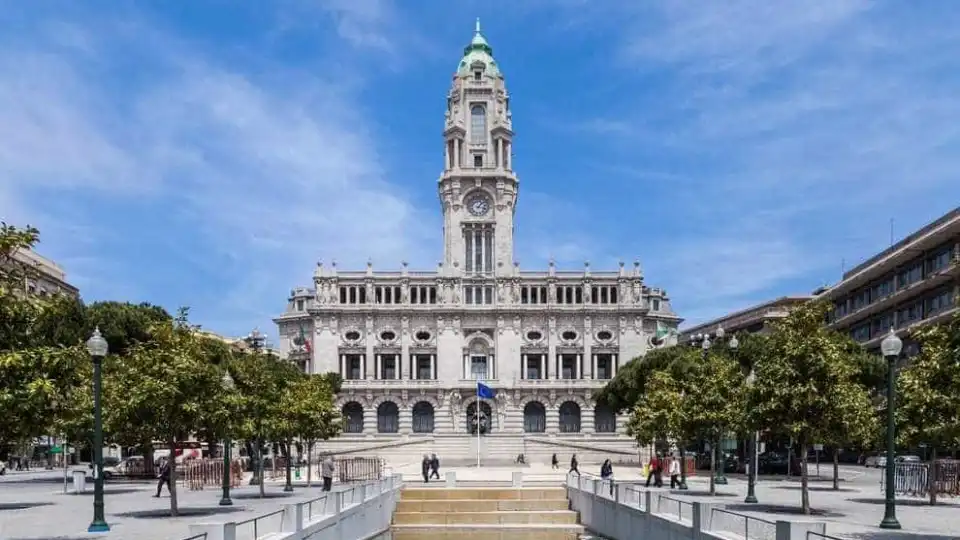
[411, 345]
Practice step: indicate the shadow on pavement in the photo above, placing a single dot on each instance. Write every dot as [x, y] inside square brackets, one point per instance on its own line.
[780, 509]
[906, 502]
[701, 493]
[267, 495]
[885, 535]
[22, 506]
[820, 488]
[194, 511]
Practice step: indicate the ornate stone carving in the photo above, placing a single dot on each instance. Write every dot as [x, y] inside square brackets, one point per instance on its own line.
[502, 292]
[515, 291]
[637, 296]
[500, 324]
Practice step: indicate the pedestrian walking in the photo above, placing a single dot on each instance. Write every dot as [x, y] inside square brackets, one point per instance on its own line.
[574, 464]
[655, 468]
[555, 462]
[164, 477]
[606, 473]
[675, 473]
[326, 472]
[425, 469]
[434, 467]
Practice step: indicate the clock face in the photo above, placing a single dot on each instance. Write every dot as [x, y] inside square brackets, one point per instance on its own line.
[478, 205]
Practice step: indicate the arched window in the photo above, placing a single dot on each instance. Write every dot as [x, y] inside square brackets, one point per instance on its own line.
[478, 124]
[569, 417]
[534, 417]
[484, 420]
[353, 414]
[423, 417]
[604, 419]
[388, 417]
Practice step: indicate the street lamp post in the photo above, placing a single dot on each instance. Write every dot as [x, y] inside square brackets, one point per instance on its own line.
[225, 500]
[752, 442]
[891, 347]
[704, 341]
[98, 348]
[683, 458]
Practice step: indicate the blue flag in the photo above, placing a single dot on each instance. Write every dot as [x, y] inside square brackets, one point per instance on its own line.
[484, 391]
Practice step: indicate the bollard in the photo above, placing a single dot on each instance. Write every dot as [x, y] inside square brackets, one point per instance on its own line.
[451, 479]
[79, 481]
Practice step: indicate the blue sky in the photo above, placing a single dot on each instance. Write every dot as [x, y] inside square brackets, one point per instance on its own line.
[208, 153]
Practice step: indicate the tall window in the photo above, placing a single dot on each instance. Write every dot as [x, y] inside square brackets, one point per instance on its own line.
[478, 367]
[423, 417]
[353, 412]
[534, 417]
[388, 417]
[478, 124]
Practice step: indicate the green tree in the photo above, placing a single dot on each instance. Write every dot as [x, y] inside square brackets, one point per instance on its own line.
[163, 388]
[261, 380]
[625, 390]
[658, 415]
[804, 376]
[307, 412]
[124, 324]
[928, 391]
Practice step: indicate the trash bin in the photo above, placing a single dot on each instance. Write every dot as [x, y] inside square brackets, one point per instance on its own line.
[79, 480]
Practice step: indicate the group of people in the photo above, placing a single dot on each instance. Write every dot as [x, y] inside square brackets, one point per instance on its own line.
[327, 468]
[430, 467]
[655, 471]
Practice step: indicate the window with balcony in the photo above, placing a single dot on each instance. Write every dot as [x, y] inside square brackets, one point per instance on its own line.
[940, 301]
[354, 367]
[910, 275]
[478, 367]
[909, 314]
[534, 368]
[422, 368]
[568, 366]
[939, 260]
[388, 367]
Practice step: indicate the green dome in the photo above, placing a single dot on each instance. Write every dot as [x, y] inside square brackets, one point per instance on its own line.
[478, 50]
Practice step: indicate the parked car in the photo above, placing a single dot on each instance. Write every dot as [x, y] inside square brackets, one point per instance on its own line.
[777, 463]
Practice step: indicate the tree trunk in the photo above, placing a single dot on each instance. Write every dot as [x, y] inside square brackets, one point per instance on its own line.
[260, 467]
[289, 458]
[172, 443]
[836, 469]
[309, 463]
[713, 470]
[932, 476]
[804, 480]
[149, 467]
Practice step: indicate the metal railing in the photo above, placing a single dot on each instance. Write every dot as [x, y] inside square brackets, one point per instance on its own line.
[914, 478]
[813, 535]
[683, 510]
[201, 536]
[257, 524]
[359, 469]
[749, 527]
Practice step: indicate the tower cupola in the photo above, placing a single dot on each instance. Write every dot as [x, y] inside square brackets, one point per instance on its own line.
[478, 53]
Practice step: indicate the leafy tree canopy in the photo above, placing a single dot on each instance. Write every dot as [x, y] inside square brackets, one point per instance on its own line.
[627, 387]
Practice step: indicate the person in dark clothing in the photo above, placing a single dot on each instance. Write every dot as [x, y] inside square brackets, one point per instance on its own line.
[555, 462]
[425, 468]
[574, 464]
[521, 460]
[434, 467]
[654, 471]
[606, 473]
[164, 477]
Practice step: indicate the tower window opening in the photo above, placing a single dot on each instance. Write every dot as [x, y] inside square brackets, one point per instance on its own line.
[477, 75]
[478, 161]
[478, 124]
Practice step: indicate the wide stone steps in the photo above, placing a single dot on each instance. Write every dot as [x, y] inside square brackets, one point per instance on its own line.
[485, 513]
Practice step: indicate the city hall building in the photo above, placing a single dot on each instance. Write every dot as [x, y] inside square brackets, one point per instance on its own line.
[411, 345]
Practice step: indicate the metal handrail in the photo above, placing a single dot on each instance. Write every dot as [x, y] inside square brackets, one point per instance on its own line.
[813, 535]
[254, 520]
[746, 520]
[201, 536]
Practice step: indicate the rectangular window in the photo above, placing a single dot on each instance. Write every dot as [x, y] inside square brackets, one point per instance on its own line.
[940, 302]
[478, 367]
[468, 295]
[299, 305]
[354, 367]
[468, 243]
[533, 367]
[613, 295]
[655, 304]
[604, 367]
[388, 367]
[478, 161]
[343, 295]
[568, 366]
[423, 370]
[939, 260]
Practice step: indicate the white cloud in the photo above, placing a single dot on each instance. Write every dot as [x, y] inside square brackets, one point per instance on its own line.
[253, 173]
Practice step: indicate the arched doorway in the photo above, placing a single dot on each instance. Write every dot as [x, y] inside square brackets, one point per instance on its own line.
[604, 419]
[569, 417]
[388, 417]
[423, 417]
[534, 417]
[485, 420]
[353, 414]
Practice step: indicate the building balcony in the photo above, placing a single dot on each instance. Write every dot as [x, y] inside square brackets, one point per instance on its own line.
[391, 383]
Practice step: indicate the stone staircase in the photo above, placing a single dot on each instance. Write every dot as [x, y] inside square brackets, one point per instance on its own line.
[485, 514]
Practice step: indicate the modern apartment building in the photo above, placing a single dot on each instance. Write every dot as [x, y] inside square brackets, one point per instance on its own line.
[912, 283]
[754, 319]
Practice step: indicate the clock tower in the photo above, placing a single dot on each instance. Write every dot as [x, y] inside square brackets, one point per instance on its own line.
[478, 188]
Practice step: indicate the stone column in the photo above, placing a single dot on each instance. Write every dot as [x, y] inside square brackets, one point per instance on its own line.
[343, 366]
[578, 367]
[433, 366]
[614, 368]
[593, 366]
[523, 366]
[543, 366]
[378, 366]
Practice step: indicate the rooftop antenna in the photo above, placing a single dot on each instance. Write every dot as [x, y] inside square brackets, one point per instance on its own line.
[477, 28]
[891, 231]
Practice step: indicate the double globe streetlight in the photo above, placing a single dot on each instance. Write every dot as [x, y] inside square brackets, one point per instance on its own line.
[704, 341]
[228, 385]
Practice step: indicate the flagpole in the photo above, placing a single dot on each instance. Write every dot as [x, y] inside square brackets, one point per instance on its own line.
[479, 403]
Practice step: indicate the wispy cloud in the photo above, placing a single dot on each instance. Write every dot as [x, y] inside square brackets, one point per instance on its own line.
[807, 125]
[240, 177]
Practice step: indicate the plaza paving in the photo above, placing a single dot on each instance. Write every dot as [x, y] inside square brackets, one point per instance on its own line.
[853, 512]
[33, 506]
